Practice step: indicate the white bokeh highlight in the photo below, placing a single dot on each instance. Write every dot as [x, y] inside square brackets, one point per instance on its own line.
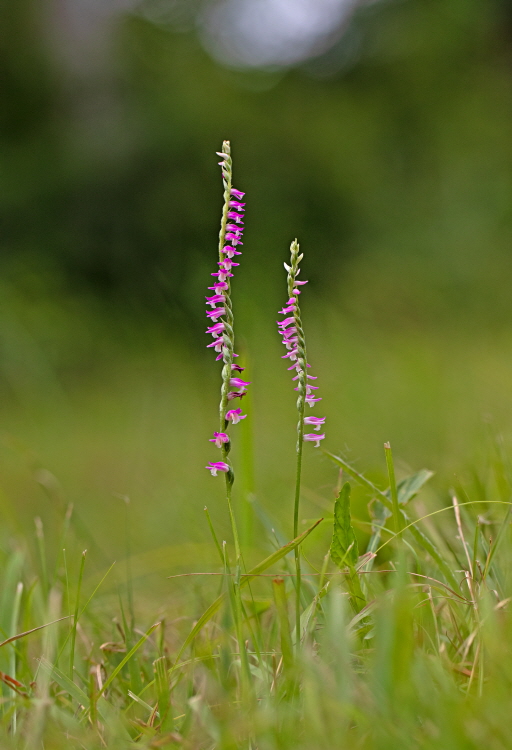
[271, 33]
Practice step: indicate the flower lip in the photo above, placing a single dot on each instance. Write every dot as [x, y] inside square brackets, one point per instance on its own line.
[215, 466]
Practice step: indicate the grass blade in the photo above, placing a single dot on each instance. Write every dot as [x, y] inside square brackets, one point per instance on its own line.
[418, 535]
[75, 617]
[245, 579]
[392, 488]
[127, 658]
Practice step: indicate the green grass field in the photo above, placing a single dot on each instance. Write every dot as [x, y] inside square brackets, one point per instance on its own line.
[97, 410]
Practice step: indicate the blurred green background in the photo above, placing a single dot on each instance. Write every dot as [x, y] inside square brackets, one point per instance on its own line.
[383, 141]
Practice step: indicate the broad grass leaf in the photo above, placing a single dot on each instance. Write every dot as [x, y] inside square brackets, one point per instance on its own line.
[420, 538]
[344, 547]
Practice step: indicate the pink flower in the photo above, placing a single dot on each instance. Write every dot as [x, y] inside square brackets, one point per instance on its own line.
[222, 274]
[234, 394]
[297, 367]
[215, 466]
[236, 204]
[235, 415]
[230, 251]
[227, 264]
[291, 342]
[219, 286]
[237, 193]
[311, 377]
[212, 301]
[233, 238]
[317, 421]
[285, 322]
[311, 437]
[311, 400]
[235, 229]
[286, 310]
[237, 368]
[238, 383]
[235, 217]
[308, 388]
[287, 333]
[216, 330]
[219, 438]
[217, 312]
[217, 344]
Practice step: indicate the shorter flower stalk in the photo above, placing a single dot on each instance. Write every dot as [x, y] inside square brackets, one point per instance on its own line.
[294, 340]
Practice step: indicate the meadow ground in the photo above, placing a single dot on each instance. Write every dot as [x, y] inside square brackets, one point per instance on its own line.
[423, 660]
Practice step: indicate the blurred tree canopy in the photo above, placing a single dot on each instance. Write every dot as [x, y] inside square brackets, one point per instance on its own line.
[389, 156]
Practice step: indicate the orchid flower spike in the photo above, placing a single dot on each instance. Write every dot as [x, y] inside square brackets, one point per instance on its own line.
[221, 316]
[292, 334]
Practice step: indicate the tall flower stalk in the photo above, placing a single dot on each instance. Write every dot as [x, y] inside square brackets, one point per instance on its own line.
[292, 333]
[222, 328]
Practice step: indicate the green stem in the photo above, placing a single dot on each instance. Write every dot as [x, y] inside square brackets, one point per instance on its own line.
[300, 445]
[233, 522]
[393, 488]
